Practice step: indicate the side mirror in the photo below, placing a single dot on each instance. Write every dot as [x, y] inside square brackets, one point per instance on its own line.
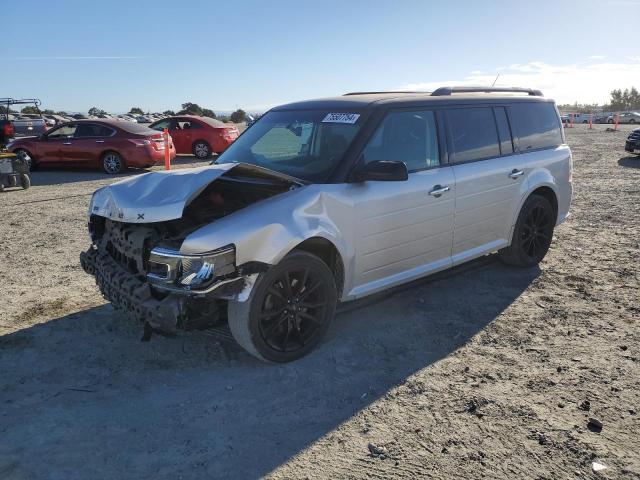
[382, 171]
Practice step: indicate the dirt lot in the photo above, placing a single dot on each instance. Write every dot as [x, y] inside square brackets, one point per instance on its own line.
[484, 372]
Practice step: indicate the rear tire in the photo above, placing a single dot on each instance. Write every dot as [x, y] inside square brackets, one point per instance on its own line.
[289, 310]
[201, 150]
[112, 163]
[532, 234]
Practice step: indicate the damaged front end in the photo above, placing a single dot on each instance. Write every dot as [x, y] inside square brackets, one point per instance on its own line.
[138, 265]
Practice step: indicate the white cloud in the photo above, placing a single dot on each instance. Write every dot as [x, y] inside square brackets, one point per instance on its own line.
[582, 83]
[597, 57]
[69, 58]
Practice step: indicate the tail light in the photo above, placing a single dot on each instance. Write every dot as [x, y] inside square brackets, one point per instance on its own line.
[8, 130]
[230, 133]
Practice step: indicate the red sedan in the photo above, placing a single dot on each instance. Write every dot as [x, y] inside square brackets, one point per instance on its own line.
[109, 144]
[201, 136]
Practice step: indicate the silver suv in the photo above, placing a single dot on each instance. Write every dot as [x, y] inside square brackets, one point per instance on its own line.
[331, 200]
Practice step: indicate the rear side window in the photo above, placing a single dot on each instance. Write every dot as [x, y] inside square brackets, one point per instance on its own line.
[410, 137]
[187, 125]
[474, 135]
[92, 130]
[536, 125]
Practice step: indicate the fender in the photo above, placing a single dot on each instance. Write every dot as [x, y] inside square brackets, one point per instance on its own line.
[267, 231]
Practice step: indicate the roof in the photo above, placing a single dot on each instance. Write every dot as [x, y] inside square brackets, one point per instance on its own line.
[128, 127]
[208, 120]
[445, 95]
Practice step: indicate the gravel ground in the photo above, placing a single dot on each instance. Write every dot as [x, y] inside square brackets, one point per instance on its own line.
[482, 372]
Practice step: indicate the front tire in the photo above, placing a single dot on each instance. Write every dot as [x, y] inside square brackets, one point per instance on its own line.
[289, 310]
[532, 234]
[201, 150]
[112, 163]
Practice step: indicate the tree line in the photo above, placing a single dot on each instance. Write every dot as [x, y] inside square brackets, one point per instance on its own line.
[188, 108]
[621, 100]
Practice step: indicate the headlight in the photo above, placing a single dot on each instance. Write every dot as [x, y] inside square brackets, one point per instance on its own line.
[169, 268]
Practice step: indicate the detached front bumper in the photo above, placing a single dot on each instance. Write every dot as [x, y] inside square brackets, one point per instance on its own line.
[162, 310]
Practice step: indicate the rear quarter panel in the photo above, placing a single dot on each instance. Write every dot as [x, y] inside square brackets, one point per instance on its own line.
[550, 168]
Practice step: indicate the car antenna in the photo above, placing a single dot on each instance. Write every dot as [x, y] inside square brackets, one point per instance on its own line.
[494, 82]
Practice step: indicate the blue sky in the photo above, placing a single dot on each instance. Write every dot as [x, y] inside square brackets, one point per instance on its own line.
[75, 54]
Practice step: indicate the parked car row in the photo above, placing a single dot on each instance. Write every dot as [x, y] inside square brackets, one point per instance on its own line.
[108, 144]
[610, 118]
[115, 145]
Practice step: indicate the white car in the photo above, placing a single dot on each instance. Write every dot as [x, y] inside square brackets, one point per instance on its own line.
[332, 200]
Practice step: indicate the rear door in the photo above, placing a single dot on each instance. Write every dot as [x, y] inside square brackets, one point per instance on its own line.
[87, 144]
[49, 149]
[183, 134]
[488, 176]
[404, 229]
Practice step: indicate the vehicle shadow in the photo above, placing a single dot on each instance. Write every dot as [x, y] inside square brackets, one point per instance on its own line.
[81, 397]
[44, 177]
[58, 176]
[632, 161]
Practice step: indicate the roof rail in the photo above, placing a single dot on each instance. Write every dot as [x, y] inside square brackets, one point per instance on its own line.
[451, 90]
[378, 93]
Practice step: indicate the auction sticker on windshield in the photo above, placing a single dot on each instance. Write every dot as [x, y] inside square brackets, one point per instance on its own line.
[341, 118]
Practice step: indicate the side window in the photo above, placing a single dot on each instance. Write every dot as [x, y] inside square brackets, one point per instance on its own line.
[92, 130]
[504, 131]
[187, 125]
[62, 132]
[536, 125]
[162, 124]
[410, 137]
[474, 135]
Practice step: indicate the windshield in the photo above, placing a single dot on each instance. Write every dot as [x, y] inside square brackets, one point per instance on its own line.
[306, 144]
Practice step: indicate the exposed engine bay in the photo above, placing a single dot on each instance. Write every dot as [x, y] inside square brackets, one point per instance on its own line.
[139, 269]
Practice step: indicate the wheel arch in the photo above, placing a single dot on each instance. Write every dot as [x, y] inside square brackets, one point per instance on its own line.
[326, 251]
[109, 150]
[204, 140]
[539, 183]
[548, 193]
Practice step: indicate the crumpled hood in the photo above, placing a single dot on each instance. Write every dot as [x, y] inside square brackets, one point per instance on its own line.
[154, 196]
[163, 195]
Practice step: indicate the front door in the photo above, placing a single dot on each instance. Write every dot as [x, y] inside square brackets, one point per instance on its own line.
[182, 135]
[403, 229]
[49, 149]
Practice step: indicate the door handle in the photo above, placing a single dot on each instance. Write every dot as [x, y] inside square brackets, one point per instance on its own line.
[515, 173]
[66, 143]
[438, 190]
[99, 141]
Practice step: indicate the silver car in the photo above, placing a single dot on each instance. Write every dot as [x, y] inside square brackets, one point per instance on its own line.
[625, 117]
[331, 200]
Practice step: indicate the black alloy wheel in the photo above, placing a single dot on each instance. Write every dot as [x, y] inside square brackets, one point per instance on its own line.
[288, 311]
[532, 234]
